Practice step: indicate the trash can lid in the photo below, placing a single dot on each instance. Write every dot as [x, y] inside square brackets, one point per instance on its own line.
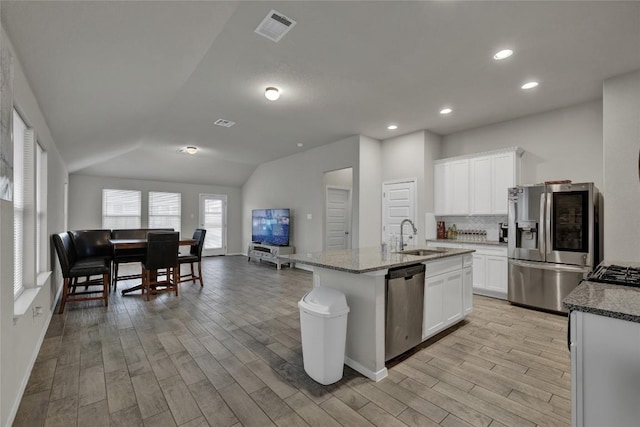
[325, 302]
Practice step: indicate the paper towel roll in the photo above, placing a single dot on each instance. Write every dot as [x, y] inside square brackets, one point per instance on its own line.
[430, 228]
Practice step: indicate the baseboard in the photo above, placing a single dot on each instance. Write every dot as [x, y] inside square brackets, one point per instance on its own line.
[372, 375]
[492, 294]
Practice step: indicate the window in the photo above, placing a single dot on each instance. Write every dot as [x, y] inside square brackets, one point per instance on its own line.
[29, 207]
[121, 209]
[41, 210]
[164, 210]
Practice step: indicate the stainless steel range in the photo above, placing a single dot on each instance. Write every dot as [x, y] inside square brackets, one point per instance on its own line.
[553, 242]
[616, 275]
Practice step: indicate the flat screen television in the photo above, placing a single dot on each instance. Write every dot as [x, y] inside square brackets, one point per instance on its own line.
[270, 226]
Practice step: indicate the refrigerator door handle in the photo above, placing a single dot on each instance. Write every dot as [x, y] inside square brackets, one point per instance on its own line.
[542, 228]
[551, 267]
[547, 228]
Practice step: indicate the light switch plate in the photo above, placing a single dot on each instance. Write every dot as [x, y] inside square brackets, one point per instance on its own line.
[309, 216]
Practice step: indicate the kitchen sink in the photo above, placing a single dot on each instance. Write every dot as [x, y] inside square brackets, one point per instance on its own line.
[421, 252]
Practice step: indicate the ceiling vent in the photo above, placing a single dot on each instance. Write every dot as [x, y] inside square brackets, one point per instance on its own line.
[224, 123]
[275, 25]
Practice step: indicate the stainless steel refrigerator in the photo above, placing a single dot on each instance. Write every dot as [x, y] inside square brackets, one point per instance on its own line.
[553, 242]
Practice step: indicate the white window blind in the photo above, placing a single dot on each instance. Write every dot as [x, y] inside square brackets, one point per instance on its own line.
[165, 210]
[41, 209]
[24, 187]
[121, 209]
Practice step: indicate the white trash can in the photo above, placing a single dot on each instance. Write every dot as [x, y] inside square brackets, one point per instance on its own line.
[323, 325]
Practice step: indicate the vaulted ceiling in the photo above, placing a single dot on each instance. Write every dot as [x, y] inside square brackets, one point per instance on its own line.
[124, 85]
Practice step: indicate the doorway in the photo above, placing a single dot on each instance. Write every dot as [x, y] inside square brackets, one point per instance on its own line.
[213, 218]
[338, 186]
[398, 203]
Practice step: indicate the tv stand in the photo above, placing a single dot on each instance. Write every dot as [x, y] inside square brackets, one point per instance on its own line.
[269, 253]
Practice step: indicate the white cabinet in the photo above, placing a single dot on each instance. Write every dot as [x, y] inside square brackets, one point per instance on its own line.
[475, 185]
[490, 267]
[504, 172]
[451, 183]
[444, 302]
[497, 268]
[481, 185]
[604, 370]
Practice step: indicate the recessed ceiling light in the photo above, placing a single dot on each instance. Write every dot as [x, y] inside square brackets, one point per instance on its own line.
[446, 111]
[503, 54]
[392, 127]
[190, 149]
[529, 85]
[300, 144]
[272, 93]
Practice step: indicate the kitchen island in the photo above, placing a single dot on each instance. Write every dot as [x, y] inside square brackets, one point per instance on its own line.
[360, 275]
[604, 326]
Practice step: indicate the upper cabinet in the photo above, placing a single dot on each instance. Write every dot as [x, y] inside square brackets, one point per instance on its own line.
[451, 180]
[476, 185]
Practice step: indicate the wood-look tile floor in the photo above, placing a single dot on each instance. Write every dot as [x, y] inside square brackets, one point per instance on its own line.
[229, 354]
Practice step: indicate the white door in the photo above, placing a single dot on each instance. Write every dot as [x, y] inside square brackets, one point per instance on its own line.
[398, 203]
[338, 218]
[213, 218]
[481, 186]
[503, 178]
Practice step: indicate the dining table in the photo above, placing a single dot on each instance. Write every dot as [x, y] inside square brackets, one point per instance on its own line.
[121, 244]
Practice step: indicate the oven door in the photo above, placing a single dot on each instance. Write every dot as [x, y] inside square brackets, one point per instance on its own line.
[570, 224]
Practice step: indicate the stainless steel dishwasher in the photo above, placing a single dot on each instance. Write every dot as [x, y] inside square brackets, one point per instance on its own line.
[404, 307]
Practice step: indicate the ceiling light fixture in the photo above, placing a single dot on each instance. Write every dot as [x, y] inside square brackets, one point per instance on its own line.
[272, 93]
[446, 111]
[190, 149]
[503, 54]
[529, 85]
[392, 127]
[300, 144]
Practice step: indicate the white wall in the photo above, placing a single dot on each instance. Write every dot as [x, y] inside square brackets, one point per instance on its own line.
[559, 144]
[621, 102]
[412, 156]
[20, 340]
[296, 182]
[85, 203]
[370, 186]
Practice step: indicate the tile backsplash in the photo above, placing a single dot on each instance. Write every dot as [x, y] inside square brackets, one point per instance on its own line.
[487, 223]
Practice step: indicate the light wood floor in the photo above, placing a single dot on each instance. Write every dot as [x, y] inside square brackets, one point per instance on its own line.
[229, 354]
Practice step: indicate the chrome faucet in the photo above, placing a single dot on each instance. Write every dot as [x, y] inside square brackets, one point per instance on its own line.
[415, 231]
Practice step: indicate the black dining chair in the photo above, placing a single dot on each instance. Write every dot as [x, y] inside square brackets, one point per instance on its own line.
[194, 256]
[162, 254]
[73, 268]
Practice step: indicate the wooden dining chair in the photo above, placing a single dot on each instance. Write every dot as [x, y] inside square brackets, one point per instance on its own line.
[162, 254]
[194, 256]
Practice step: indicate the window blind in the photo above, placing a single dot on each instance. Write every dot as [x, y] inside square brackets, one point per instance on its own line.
[41, 209]
[24, 187]
[19, 129]
[121, 209]
[165, 210]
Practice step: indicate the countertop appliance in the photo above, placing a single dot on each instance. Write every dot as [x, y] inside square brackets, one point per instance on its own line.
[553, 242]
[616, 274]
[404, 308]
[503, 232]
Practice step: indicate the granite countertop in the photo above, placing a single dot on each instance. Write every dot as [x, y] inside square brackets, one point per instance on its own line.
[365, 260]
[469, 242]
[620, 302]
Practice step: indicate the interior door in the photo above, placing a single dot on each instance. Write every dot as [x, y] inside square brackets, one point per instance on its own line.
[213, 218]
[398, 203]
[338, 218]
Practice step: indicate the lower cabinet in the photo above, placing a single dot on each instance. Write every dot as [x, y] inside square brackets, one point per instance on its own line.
[490, 267]
[447, 294]
[605, 385]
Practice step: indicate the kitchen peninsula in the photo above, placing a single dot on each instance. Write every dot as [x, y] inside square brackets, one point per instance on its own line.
[360, 275]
